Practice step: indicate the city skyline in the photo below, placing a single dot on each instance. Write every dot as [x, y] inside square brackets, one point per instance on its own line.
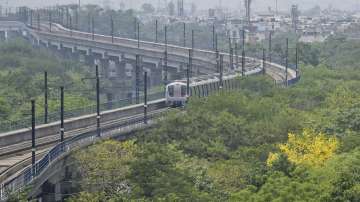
[258, 5]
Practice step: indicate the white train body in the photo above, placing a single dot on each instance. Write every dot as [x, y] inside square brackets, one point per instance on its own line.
[176, 94]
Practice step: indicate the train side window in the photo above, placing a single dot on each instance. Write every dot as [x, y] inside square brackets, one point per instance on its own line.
[171, 91]
[183, 91]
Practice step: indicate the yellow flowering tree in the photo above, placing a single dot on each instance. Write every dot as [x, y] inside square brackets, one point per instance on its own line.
[272, 158]
[309, 149]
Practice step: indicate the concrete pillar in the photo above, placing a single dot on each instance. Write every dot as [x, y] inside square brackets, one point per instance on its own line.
[44, 44]
[154, 73]
[89, 60]
[82, 58]
[181, 67]
[58, 193]
[173, 74]
[75, 54]
[104, 62]
[137, 77]
[36, 42]
[65, 53]
[120, 78]
[54, 48]
[129, 70]
[161, 66]
[48, 191]
[113, 67]
[129, 67]
[6, 35]
[2, 35]
[120, 68]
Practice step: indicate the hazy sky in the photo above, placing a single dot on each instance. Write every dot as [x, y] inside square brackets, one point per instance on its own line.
[257, 5]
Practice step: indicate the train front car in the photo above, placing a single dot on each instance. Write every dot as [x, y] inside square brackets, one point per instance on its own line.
[176, 95]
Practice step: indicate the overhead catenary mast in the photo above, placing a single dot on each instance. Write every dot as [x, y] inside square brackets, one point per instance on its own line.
[295, 17]
[180, 6]
[248, 11]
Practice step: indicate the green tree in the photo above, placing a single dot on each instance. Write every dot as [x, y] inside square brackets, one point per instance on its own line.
[154, 174]
[104, 167]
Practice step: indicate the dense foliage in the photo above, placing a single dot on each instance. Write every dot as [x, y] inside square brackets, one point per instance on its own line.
[260, 143]
[22, 70]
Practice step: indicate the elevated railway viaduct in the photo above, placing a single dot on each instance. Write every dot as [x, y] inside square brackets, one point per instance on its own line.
[119, 58]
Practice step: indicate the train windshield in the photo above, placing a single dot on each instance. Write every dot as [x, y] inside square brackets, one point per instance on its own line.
[171, 91]
[183, 91]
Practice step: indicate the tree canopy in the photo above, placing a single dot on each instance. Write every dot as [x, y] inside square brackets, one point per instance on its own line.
[258, 143]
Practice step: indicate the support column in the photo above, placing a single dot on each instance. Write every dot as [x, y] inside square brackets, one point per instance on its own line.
[270, 47]
[65, 52]
[156, 74]
[217, 62]
[58, 194]
[236, 56]
[145, 98]
[2, 35]
[190, 68]
[89, 60]
[120, 68]
[137, 78]
[153, 71]
[75, 54]
[165, 67]
[112, 67]
[105, 66]
[6, 35]
[221, 70]
[110, 99]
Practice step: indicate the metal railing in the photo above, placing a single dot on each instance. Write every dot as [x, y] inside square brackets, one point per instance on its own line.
[32, 172]
[6, 126]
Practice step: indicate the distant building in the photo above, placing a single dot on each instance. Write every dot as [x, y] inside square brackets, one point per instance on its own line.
[295, 17]
[234, 29]
[311, 37]
[180, 7]
[211, 13]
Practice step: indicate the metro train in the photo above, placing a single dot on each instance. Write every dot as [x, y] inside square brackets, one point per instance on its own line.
[176, 92]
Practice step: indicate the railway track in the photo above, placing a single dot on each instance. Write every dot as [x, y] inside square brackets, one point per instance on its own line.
[22, 150]
[45, 144]
[119, 129]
